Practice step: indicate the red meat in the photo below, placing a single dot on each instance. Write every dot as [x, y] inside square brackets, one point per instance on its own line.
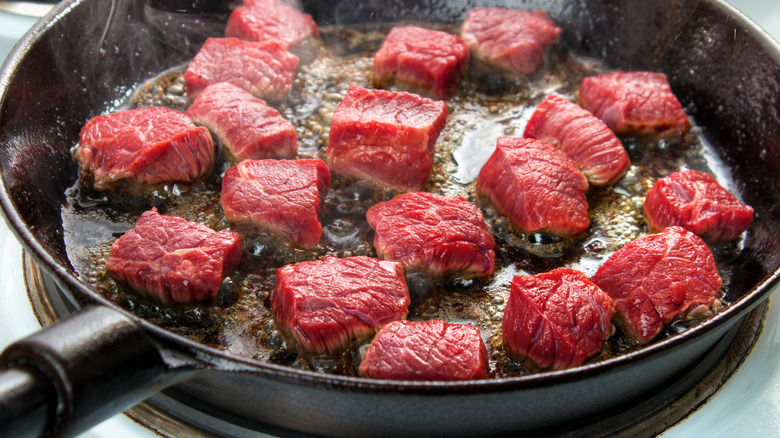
[695, 201]
[327, 304]
[583, 137]
[421, 60]
[272, 21]
[265, 69]
[173, 260]
[279, 196]
[510, 40]
[556, 319]
[386, 137]
[640, 103]
[426, 350]
[247, 128]
[657, 278]
[539, 187]
[439, 234]
[129, 149]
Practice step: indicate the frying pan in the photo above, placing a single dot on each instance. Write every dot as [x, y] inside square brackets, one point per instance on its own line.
[81, 58]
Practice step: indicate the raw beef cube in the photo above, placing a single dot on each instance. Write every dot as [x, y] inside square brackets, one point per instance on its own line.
[536, 185]
[695, 201]
[640, 103]
[582, 136]
[421, 60]
[426, 350]
[279, 196]
[173, 260]
[435, 233]
[270, 20]
[127, 150]
[510, 40]
[660, 277]
[556, 319]
[265, 69]
[327, 304]
[247, 128]
[385, 137]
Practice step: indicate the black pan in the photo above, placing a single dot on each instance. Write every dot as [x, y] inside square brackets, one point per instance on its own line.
[82, 57]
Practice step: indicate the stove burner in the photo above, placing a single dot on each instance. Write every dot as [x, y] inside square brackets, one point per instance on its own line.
[172, 413]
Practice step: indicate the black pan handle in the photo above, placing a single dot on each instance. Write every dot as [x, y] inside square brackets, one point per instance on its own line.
[77, 372]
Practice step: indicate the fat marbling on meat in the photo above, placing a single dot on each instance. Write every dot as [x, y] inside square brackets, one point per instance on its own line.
[385, 137]
[327, 304]
[637, 102]
[424, 61]
[658, 278]
[129, 150]
[695, 201]
[434, 233]
[556, 319]
[173, 260]
[512, 41]
[247, 127]
[271, 20]
[265, 69]
[536, 185]
[279, 196]
[426, 350]
[582, 136]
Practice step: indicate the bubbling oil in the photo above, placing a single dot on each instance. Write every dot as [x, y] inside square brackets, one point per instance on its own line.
[240, 320]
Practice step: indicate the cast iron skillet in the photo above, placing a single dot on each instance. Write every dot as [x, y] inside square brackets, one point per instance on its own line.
[82, 57]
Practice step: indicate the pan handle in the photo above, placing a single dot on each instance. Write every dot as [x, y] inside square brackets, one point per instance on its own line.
[77, 372]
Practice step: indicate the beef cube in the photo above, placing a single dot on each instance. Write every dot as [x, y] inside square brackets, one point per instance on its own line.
[247, 128]
[128, 151]
[385, 137]
[426, 350]
[277, 196]
[511, 41]
[657, 278]
[173, 260]
[271, 21]
[640, 103]
[582, 136]
[423, 61]
[265, 69]
[556, 319]
[435, 233]
[536, 185]
[695, 201]
[327, 304]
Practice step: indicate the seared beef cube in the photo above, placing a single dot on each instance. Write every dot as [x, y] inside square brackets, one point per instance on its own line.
[640, 103]
[556, 319]
[385, 137]
[511, 41]
[423, 61]
[657, 278]
[582, 136]
[265, 69]
[536, 185]
[279, 196]
[695, 201]
[327, 304]
[434, 233]
[426, 350]
[247, 128]
[271, 20]
[128, 150]
[173, 260]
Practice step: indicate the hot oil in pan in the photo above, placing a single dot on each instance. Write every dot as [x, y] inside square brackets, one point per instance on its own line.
[240, 321]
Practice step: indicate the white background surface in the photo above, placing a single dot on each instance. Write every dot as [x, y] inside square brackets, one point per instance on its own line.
[747, 406]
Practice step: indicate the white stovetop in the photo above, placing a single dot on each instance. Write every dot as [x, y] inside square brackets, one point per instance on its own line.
[748, 405]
